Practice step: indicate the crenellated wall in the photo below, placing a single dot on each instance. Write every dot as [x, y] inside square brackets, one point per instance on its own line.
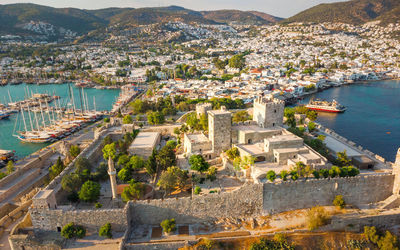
[300, 194]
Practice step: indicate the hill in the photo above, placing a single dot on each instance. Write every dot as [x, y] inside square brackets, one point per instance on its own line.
[353, 12]
[47, 23]
[14, 17]
[240, 17]
[159, 15]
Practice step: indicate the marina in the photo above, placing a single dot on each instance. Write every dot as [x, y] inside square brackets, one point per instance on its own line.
[55, 117]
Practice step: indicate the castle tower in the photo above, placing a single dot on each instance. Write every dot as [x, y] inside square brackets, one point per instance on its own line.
[268, 112]
[202, 109]
[396, 172]
[113, 181]
[220, 129]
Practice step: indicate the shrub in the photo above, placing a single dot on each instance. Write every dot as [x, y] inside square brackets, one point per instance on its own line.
[284, 175]
[294, 175]
[71, 230]
[311, 126]
[271, 176]
[339, 202]
[98, 205]
[316, 217]
[324, 173]
[168, 225]
[352, 171]
[127, 119]
[315, 174]
[74, 151]
[388, 242]
[212, 174]
[233, 153]
[266, 244]
[334, 171]
[2, 175]
[197, 190]
[371, 234]
[105, 231]
[172, 143]
[107, 119]
[90, 191]
[198, 163]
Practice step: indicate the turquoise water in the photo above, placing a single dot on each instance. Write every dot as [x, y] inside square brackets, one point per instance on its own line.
[104, 100]
[372, 118]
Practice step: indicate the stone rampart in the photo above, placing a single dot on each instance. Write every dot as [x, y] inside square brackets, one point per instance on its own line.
[279, 197]
[92, 220]
[246, 201]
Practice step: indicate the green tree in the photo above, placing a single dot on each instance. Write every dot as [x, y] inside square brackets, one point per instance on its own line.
[173, 178]
[123, 160]
[155, 118]
[324, 173]
[136, 162]
[311, 126]
[198, 163]
[342, 158]
[105, 231]
[168, 225]
[271, 175]
[56, 169]
[166, 158]
[71, 182]
[334, 171]
[71, 230]
[233, 153]
[352, 171]
[127, 119]
[82, 165]
[109, 150]
[371, 234]
[10, 167]
[125, 174]
[134, 191]
[151, 164]
[74, 151]
[237, 61]
[90, 191]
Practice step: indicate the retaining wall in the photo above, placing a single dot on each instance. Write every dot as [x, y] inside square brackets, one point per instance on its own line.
[300, 194]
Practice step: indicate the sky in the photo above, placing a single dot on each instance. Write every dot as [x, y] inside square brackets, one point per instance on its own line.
[280, 8]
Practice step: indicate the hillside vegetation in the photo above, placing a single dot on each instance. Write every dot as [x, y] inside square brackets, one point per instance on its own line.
[353, 12]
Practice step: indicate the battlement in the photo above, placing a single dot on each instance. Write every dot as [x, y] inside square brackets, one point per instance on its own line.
[269, 101]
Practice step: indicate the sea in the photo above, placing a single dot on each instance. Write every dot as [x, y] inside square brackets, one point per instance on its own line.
[102, 98]
[372, 118]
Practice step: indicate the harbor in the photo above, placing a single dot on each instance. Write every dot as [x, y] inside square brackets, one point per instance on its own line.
[61, 109]
[372, 117]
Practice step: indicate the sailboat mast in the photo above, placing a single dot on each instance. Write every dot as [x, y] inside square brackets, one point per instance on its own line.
[30, 118]
[23, 118]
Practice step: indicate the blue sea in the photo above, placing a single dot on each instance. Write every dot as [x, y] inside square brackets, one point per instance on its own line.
[372, 118]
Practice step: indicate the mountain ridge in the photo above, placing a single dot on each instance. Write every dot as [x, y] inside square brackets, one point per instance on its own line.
[353, 12]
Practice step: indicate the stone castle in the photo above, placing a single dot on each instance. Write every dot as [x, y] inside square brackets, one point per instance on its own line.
[263, 138]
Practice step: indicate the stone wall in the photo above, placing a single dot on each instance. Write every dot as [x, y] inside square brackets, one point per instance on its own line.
[357, 190]
[92, 220]
[246, 201]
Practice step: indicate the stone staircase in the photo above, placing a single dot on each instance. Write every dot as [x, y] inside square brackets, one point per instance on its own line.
[391, 202]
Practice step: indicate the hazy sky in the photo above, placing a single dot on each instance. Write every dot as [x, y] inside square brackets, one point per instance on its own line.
[281, 8]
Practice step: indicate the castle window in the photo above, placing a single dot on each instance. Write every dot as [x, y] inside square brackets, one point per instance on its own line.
[58, 229]
[275, 111]
[273, 124]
